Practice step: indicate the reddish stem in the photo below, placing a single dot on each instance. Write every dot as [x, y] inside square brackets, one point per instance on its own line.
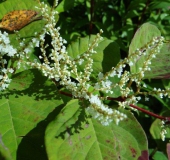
[167, 119]
[150, 113]
[66, 94]
[91, 15]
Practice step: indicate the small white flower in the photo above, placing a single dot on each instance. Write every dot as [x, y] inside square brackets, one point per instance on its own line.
[11, 70]
[138, 98]
[36, 42]
[21, 44]
[27, 50]
[4, 70]
[80, 62]
[163, 132]
[130, 63]
[1, 76]
[100, 75]
[146, 99]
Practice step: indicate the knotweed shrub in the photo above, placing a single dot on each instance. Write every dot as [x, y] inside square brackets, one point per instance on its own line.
[77, 77]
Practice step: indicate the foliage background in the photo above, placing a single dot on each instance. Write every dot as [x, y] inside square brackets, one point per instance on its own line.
[29, 118]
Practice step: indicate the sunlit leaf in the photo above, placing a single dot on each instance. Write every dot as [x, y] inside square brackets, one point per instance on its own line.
[91, 140]
[24, 111]
[159, 66]
[107, 56]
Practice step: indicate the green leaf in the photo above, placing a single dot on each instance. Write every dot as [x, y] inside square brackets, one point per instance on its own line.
[24, 114]
[158, 155]
[166, 83]
[160, 65]
[94, 141]
[107, 56]
[4, 151]
[68, 116]
[155, 131]
[66, 5]
[144, 34]
[159, 4]
[22, 80]
[136, 4]
[23, 66]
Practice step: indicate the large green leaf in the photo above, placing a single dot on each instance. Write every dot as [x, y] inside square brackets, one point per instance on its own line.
[159, 5]
[160, 65]
[24, 114]
[107, 56]
[144, 35]
[91, 140]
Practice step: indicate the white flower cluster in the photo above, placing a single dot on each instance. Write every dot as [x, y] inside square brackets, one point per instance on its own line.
[160, 92]
[55, 3]
[63, 66]
[59, 66]
[163, 131]
[149, 51]
[6, 49]
[101, 112]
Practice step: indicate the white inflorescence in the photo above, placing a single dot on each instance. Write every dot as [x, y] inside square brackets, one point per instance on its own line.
[163, 131]
[101, 112]
[59, 66]
[6, 49]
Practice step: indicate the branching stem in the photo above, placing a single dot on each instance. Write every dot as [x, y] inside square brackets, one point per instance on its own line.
[167, 119]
